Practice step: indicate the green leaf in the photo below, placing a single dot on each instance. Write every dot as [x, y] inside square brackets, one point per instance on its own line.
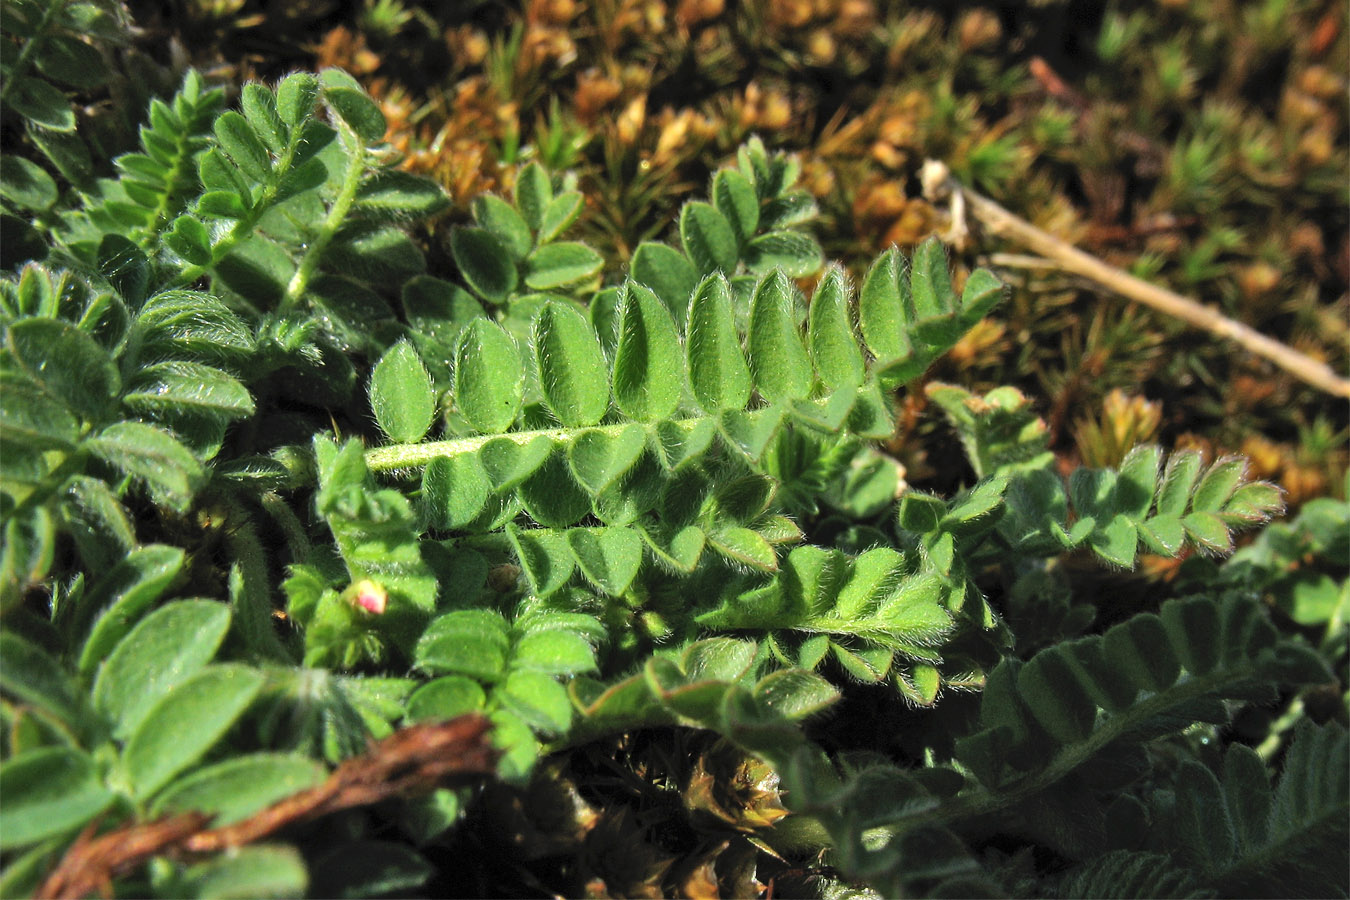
[608, 557]
[551, 495]
[40, 103]
[559, 264]
[795, 254]
[1218, 485]
[794, 693]
[708, 238]
[190, 240]
[545, 556]
[501, 218]
[734, 196]
[48, 791]
[236, 137]
[445, 698]
[169, 469]
[1209, 531]
[750, 432]
[358, 869]
[554, 652]
[881, 308]
[470, 642]
[718, 374]
[68, 363]
[164, 649]
[744, 547]
[30, 417]
[345, 97]
[562, 211]
[187, 387]
[537, 699]
[260, 110]
[454, 491]
[187, 722]
[572, 370]
[676, 445]
[72, 62]
[668, 272]
[485, 262]
[175, 324]
[1163, 534]
[1183, 468]
[25, 183]
[1116, 541]
[248, 873]
[120, 598]
[931, 282]
[598, 458]
[834, 348]
[781, 368]
[646, 358]
[392, 194]
[239, 787]
[296, 96]
[34, 677]
[1138, 481]
[534, 193]
[508, 463]
[983, 291]
[401, 395]
[125, 266]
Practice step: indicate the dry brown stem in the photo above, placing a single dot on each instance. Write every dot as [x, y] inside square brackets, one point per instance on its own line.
[410, 761]
[1000, 222]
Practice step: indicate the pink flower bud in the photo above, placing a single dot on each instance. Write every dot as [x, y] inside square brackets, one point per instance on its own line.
[370, 596]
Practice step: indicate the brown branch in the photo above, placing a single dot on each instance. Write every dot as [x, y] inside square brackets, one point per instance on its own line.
[410, 761]
[1000, 222]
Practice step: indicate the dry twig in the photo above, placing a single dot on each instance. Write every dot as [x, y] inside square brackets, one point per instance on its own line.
[409, 761]
[938, 185]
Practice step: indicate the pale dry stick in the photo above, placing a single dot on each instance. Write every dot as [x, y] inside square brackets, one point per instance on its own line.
[938, 185]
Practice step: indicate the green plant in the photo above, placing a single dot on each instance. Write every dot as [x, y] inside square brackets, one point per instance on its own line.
[579, 503]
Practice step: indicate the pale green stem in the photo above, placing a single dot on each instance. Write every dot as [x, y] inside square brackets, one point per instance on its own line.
[413, 456]
[337, 214]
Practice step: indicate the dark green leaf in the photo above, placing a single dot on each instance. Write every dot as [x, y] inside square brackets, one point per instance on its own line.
[48, 791]
[471, 642]
[454, 491]
[248, 872]
[834, 348]
[646, 358]
[260, 109]
[780, 365]
[72, 62]
[26, 184]
[296, 96]
[185, 723]
[508, 461]
[163, 650]
[572, 370]
[735, 198]
[237, 138]
[485, 262]
[345, 97]
[40, 103]
[608, 557]
[668, 272]
[559, 264]
[122, 596]
[187, 387]
[881, 308]
[240, 787]
[534, 193]
[68, 363]
[169, 469]
[501, 218]
[558, 216]
[718, 373]
[446, 698]
[489, 379]
[796, 254]
[708, 238]
[401, 395]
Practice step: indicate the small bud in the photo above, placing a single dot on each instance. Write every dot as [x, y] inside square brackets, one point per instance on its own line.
[371, 597]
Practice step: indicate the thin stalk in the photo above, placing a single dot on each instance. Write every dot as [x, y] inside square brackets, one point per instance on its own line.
[337, 214]
[413, 456]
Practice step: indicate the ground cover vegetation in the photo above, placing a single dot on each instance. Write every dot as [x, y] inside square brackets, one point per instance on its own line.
[547, 450]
